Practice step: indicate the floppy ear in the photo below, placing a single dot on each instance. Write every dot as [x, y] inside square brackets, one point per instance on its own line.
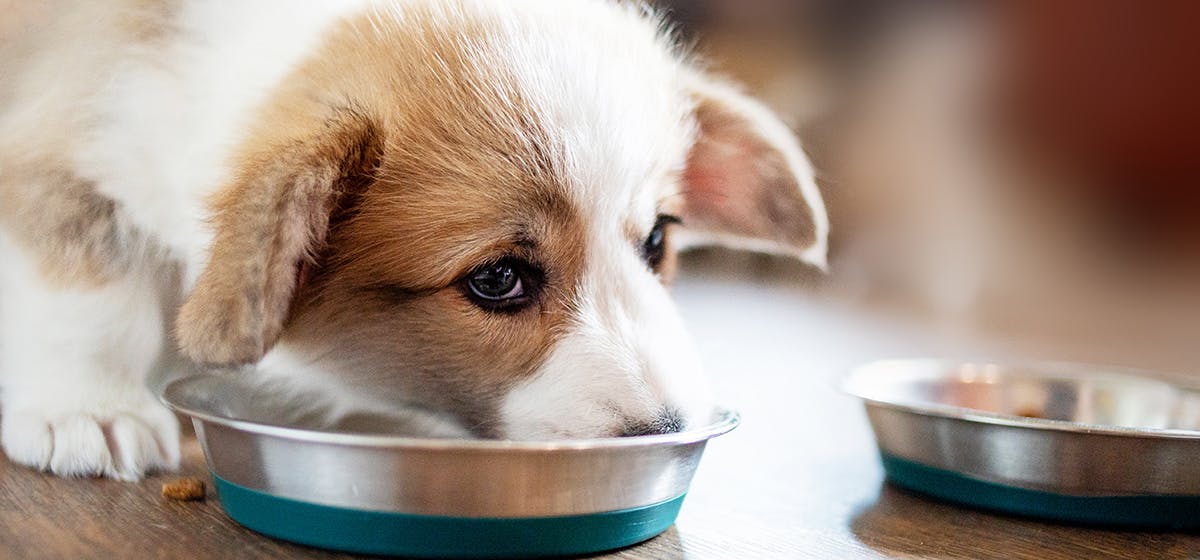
[747, 184]
[268, 223]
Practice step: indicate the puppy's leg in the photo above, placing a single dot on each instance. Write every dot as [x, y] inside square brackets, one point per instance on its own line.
[79, 335]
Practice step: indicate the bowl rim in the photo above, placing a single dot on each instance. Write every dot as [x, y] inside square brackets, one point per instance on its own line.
[856, 380]
[726, 419]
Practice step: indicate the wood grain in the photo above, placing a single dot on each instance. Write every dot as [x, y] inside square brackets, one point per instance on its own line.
[798, 479]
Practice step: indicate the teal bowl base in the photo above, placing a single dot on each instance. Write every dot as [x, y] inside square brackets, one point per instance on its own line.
[402, 534]
[1153, 512]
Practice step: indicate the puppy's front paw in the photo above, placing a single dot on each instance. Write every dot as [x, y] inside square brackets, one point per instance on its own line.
[124, 444]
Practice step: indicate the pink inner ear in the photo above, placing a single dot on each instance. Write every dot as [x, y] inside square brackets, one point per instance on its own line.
[747, 182]
[724, 183]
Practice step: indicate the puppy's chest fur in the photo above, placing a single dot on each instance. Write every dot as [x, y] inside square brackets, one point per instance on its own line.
[119, 121]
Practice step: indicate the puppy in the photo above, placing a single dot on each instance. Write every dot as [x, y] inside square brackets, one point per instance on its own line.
[458, 212]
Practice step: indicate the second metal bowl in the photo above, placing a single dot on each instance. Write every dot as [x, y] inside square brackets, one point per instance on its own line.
[1060, 441]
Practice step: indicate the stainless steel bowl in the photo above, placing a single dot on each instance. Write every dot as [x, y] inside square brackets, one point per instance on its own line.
[512, 497]
[1063, 441]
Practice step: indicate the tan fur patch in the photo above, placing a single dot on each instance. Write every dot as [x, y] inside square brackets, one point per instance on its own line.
[383, 317]
[466, 178]
[72, 229]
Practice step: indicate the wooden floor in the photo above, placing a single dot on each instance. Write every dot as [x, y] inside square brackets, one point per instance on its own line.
[799, 478]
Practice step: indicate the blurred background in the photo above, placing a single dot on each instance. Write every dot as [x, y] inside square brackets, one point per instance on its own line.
[1020, 169]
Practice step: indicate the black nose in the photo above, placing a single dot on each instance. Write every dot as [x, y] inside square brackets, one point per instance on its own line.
[669, 422]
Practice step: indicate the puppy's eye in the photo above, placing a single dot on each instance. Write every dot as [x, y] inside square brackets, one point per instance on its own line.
[654, 248]
[503, 285]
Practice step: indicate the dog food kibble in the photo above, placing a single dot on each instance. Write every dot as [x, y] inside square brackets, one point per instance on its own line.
[1030, 412]
[184, 489]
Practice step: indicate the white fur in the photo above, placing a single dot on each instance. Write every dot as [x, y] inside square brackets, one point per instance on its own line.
[74, 362]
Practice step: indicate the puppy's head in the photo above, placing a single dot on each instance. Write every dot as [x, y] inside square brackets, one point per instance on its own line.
[473, 209]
